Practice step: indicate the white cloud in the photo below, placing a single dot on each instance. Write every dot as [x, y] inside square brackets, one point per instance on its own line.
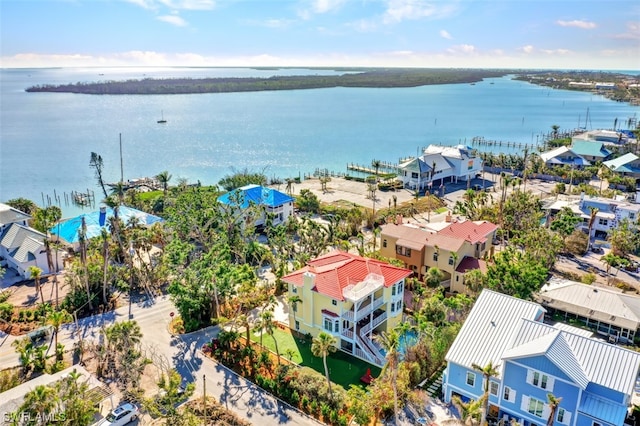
[402, 10]
[146, 4]
[445, 34]
[270, 23]
[175, 4]
[462, 48]
[324, 6]
[319, 7]
[585, 25]
[189, 4]
[555, 51]
[526, 49]
[632, 33]
[363, 25]
[173, 20]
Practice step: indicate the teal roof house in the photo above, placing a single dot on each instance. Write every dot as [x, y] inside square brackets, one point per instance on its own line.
[275, 203]
[593, 151]
[596, 380]
[626, 165]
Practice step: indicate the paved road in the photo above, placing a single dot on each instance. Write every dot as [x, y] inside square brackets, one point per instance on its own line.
[237, 394]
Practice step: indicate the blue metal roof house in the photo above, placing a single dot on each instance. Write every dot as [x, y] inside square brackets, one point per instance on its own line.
[596, 380]
[274, 202]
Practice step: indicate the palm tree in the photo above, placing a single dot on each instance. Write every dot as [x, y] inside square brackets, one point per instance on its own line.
[36, 273]
[470, 412]
[376, 166]
[593, 212]
[82, 239]
[164, 178]
[55, 319]
[96, 163]
[268, 324]
[293, 301]
[555, 129]
[105, 267]
[289, 188]
[390, 341]
[322, 345]
[488, 371]
[40, 402]
[554, 402]
[119, 189]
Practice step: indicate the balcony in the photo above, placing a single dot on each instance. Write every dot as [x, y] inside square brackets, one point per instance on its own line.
[363, 311]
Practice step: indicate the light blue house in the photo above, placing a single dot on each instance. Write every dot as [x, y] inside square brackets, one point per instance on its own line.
[595, 379]
[275, 203]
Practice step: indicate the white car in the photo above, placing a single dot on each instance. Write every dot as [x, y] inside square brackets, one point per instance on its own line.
[122, 415]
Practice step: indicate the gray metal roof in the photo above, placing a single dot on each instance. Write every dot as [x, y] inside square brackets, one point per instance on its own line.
[10, 215]
[597, 303]
[21, 242]
[490, 328]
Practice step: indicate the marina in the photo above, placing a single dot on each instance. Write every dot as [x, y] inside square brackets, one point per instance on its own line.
[279, 133]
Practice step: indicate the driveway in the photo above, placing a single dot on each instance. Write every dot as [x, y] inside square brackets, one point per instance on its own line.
[244, 398]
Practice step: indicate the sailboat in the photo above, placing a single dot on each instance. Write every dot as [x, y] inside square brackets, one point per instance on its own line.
[162, 120]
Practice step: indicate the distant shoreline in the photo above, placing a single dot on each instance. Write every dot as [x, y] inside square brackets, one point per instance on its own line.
[368, 78]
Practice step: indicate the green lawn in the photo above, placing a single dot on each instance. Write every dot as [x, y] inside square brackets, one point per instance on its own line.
[343, 369]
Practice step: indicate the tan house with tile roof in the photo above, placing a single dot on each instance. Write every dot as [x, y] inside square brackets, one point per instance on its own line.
[455, 249]
[351, 297]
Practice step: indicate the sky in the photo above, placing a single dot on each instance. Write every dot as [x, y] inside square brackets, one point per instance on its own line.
[549, 34]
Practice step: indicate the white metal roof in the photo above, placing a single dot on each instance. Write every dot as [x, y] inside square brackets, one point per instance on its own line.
[490, 328]
[598, 303]
[532, 340]
[581, 358]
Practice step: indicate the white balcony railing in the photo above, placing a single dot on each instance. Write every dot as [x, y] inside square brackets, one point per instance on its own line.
[347, 333]
[363, 311]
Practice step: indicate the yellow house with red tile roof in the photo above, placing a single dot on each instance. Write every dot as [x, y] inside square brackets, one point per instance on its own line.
[349, 296]
[455, 249]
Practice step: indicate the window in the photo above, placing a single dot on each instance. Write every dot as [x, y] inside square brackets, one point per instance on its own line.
[297, 325]
[604, 222]
[540, 380]
[331, 325]
[562, 416]
[294, 289]
[384, 243]
[393, 290]
[414, 175]
[295, 307]
[632, 216]
[471, 379]
[535, 407]
[334, 302]
[399, 306]
[403, 251]
[435, 256]
[450, 260]
[596, 424]
[393, 307]
[509, 394]
[493, 388]
[328, 325]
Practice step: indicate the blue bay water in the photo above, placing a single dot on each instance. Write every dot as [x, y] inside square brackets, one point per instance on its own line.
[46, 138]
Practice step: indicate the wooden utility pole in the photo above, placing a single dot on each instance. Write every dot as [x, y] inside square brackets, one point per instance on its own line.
[204, 399]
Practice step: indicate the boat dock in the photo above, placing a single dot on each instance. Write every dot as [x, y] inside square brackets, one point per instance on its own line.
[385, 167]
